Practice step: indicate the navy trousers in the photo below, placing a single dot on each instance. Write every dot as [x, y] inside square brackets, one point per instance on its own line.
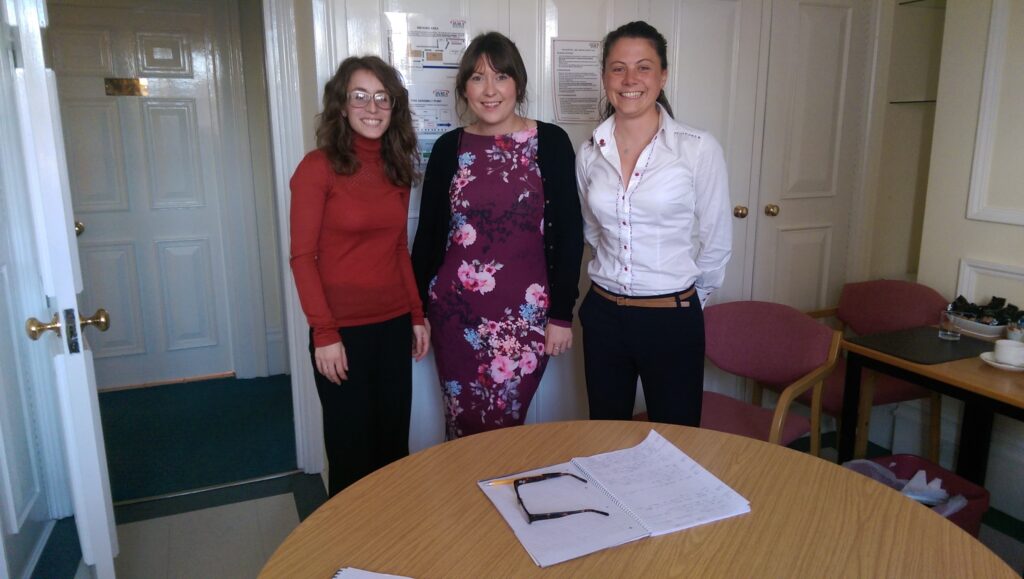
[664, 347]
[366, 418]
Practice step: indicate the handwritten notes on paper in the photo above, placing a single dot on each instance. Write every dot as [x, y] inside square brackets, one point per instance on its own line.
[650, 489]
[663, 487]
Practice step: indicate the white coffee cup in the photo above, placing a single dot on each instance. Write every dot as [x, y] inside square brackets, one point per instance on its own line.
[1009, 352]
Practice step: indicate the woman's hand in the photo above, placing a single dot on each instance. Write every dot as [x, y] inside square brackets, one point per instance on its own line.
[557, 339]
[420, 340]
[332, 362]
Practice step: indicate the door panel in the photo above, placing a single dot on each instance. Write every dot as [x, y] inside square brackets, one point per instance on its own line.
[24, 508]
[813, 150]
[47, 392]
[713, 72]
[145, 181]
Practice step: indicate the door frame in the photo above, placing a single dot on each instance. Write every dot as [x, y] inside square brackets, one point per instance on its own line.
[288, 146]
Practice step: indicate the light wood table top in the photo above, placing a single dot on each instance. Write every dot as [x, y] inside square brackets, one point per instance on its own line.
[424, 517]
[969, 374]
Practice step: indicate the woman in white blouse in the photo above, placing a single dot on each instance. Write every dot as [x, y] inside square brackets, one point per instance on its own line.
[655, 197]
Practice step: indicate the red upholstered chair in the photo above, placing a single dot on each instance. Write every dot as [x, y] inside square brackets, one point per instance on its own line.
[873, 307]
[777, 346]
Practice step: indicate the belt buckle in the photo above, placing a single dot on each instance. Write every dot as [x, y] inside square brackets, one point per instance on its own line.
[621, 301]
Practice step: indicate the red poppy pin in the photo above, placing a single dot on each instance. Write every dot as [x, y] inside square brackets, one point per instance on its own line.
[601, 142]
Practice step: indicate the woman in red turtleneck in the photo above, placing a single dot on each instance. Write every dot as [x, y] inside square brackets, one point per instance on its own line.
[350, 259]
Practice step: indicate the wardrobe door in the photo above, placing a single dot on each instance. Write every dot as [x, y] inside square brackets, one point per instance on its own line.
[714, 64]
[813, 153]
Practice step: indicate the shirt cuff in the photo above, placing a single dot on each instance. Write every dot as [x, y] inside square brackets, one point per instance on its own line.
[325, 337]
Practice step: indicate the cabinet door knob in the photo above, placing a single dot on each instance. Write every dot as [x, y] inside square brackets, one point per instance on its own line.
[740, 211]
[771, 210]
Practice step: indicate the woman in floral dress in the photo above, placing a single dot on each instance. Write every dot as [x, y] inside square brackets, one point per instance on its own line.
[499, 244]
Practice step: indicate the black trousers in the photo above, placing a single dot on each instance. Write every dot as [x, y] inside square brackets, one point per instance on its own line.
[366, 418]
[664, 347]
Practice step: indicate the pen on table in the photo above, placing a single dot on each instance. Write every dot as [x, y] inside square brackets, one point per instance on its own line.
[503, 481]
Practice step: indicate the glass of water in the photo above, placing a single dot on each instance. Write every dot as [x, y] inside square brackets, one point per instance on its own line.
[948, 330]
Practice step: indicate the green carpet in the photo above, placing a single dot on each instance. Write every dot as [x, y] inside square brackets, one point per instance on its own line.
[179, 437]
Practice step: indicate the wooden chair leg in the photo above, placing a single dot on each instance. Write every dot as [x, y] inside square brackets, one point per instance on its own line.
[935, 427]
[816, 425]
[867, 396]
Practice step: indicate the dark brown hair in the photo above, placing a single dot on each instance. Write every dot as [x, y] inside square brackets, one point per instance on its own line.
[638, 29]
[503, 57]
[334, 135]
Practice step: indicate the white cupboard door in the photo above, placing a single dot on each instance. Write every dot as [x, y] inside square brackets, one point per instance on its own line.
[813, 149]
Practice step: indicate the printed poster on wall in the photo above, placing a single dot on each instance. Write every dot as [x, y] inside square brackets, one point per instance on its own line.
[426, 50]
[578, 89]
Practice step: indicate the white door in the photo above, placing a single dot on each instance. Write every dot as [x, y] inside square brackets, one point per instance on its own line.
[25, 376]
[67, 363]
[818, 82]
[714, 63]
[146, 183]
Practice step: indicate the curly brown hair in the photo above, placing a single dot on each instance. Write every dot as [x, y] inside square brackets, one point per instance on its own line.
[399, 147]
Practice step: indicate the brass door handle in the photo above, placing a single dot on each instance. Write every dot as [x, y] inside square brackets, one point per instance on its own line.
[739, 211]
[771, 210]
[79, 228]
[34, 328]
[101, 319]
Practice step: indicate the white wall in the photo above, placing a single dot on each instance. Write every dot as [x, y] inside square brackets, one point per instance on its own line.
[251, 28]
[950, 239]
[907, 139]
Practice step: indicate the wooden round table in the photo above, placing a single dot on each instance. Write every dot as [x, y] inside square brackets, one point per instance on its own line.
[424, 516]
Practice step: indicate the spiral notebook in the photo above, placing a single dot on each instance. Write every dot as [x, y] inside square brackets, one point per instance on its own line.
[648, 490]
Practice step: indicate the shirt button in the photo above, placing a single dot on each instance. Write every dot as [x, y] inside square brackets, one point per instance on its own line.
[623, 247]
[636, 174]
[623, 222]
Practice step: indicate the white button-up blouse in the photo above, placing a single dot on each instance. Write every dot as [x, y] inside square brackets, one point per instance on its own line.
[671, 228]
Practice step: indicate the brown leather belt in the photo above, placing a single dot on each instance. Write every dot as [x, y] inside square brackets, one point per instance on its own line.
[676, 301]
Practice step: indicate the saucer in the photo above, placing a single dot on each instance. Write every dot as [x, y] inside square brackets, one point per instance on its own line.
[990, 359]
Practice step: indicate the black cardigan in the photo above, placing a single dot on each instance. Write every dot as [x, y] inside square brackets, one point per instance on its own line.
[563, 220]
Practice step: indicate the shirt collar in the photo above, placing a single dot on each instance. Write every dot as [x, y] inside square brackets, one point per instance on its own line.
[667, 127]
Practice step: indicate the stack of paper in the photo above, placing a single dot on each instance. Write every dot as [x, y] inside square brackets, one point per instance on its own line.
[651, 489]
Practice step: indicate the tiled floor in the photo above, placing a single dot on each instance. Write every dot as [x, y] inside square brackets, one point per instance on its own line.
[226, 541]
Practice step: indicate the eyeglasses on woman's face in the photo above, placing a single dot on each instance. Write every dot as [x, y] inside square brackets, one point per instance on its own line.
[361, 99]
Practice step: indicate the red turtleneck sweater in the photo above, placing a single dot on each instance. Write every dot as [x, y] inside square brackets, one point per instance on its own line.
[349, 238]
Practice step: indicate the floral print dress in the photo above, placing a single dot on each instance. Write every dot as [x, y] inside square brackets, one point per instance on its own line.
[489, 300]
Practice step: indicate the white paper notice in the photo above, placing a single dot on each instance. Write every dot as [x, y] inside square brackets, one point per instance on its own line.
[427, 50]
[577, 66]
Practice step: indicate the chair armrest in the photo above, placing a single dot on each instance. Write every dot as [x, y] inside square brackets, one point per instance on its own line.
[813, 379]
[832, 314]
[825, 313]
